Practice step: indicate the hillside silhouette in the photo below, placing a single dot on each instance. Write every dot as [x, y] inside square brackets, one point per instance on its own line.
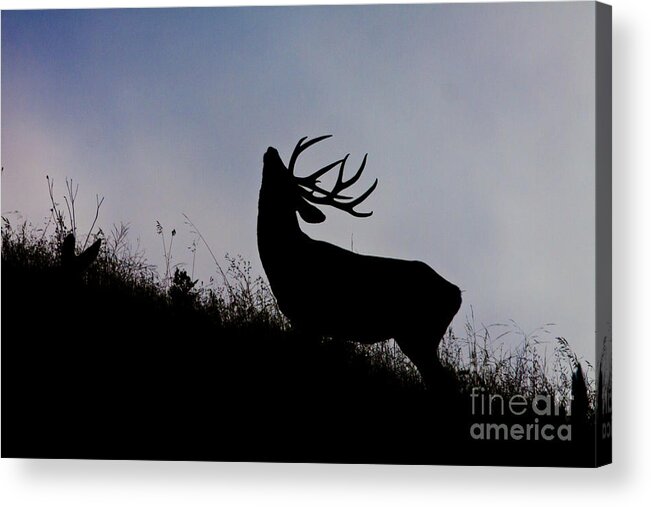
[115, 363]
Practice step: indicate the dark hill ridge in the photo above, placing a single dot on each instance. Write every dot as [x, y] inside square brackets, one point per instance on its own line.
[110, 364]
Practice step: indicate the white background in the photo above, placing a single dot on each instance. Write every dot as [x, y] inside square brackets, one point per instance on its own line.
[71, 483]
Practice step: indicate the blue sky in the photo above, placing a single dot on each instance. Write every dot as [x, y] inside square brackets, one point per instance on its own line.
[478, 121]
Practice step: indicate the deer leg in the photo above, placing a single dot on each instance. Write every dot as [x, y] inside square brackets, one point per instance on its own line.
[423, 352]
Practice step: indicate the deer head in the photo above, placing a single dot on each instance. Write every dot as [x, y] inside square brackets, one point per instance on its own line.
[72, 264]
[302, 193]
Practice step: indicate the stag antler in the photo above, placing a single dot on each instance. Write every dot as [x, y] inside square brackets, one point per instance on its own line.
[333, 197]
[300, 147]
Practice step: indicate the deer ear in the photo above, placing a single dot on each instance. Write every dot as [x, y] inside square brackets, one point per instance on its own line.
[311, 214]
[68, 249]
[87, 257]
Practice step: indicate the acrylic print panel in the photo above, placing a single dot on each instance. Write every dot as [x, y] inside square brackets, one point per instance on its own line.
[337, 234]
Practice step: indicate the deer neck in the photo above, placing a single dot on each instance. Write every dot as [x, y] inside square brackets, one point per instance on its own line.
[277, 224]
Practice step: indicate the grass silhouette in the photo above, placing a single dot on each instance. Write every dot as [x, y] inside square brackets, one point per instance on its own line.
[121, 362]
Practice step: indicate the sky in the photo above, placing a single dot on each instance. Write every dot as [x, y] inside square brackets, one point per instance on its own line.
[478, 121]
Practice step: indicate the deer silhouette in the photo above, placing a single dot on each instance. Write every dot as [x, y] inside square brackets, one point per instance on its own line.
[68, 276]
[74, 265]
[339, 293]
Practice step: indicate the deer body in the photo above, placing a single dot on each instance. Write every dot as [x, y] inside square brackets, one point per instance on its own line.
[338, 293]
